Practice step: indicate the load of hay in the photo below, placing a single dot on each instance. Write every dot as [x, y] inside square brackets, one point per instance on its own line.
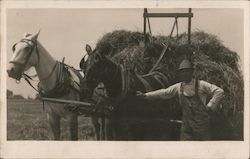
[213, 61]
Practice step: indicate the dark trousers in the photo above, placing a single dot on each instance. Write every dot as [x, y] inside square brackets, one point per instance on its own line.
[200, 134]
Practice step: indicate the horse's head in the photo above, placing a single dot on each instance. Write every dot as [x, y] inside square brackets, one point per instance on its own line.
[25, 55]
[97, 68]
[90, 65]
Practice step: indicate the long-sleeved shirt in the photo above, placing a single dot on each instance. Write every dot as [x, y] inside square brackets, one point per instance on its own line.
[204, 90]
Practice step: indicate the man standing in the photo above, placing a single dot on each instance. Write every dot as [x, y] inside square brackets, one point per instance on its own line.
[192, 95]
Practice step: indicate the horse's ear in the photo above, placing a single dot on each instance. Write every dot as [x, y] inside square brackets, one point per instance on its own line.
[34, 37]
[82, 62]
[25, 35]
[88, 49]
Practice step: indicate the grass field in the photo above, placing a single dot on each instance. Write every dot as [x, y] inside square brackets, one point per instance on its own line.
[26, 120]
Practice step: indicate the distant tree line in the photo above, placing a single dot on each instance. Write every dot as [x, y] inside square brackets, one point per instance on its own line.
[11, 95]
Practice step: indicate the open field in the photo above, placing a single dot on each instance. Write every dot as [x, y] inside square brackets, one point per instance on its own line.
[26, 120]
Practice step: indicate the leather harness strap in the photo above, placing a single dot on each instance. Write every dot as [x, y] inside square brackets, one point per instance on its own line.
[28, 78]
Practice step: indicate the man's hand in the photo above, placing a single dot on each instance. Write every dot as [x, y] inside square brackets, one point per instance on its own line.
[140, 94]
[210, 109]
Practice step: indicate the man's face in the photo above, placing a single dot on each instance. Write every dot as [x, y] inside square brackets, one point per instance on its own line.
[186, 75]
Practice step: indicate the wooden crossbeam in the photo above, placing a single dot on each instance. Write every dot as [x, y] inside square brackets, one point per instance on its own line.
[163, 15]
[147, 15]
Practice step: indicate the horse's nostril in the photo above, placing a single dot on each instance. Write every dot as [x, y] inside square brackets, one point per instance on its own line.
[10, 71]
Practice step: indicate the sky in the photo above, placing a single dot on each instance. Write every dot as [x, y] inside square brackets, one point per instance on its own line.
[65, 32]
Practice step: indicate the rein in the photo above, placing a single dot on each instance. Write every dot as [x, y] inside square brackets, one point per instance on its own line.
[50, 74]
[28, 78]
[165, 47]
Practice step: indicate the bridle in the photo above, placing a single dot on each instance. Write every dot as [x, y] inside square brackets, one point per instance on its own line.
[23, 65]
[33, 47]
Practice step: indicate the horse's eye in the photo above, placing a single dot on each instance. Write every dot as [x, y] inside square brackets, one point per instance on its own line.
[14, 48]
[26, 48]
[96, 57]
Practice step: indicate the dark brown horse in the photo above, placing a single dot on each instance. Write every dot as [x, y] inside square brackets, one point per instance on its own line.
[133, 118]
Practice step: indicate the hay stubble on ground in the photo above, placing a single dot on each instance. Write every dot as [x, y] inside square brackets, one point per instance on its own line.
[26, 120]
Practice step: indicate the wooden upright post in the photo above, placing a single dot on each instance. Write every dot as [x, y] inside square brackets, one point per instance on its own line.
[144, 24]
[189, 26]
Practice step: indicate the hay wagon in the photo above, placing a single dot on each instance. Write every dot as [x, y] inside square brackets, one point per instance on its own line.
[214, 63]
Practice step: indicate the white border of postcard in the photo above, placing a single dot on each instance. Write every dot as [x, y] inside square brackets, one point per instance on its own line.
[117, 149]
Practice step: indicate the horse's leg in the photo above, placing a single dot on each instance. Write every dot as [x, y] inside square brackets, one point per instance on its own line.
[102, 125]
[73, 122]
[96, 126]
[54, 121]
[108, 129]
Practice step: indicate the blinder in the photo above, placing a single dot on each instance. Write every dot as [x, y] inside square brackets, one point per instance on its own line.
[83, 63]
[34, 46]
[14, 47]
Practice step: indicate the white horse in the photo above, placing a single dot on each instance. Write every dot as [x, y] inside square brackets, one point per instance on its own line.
[56, 80]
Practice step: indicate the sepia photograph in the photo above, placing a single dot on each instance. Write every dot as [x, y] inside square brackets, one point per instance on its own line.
[153, 74]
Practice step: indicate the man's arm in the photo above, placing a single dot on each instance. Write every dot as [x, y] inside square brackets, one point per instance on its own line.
[163, 93]
[216, 92]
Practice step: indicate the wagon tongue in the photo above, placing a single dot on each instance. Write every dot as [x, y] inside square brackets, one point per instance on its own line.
[81, 107]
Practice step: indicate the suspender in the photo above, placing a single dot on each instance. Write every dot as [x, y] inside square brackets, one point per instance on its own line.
[196, 95]
[196, 87]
